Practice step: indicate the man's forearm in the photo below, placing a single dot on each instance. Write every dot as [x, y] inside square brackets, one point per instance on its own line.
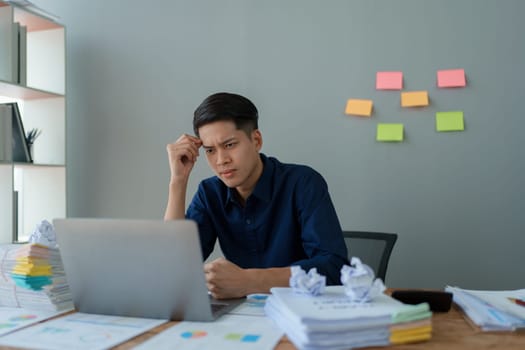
[176, 206]
[261, 280]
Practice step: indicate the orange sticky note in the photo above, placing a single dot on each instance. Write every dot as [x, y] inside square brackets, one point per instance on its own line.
[414, 99]
[359, 107]
[451, 78]
[389, 80]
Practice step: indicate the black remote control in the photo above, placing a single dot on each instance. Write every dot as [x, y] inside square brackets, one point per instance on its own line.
[439, 301]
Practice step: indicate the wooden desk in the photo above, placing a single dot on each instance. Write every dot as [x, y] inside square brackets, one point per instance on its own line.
[449, 331]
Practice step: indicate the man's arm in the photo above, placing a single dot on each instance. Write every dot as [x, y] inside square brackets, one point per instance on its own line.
[182, 155]
[227, 280]
[321, 234]
[176, 200]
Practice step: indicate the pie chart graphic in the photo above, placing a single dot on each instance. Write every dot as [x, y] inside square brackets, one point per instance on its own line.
[193, 334]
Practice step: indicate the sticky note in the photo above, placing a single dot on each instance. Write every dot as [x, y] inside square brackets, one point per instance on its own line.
[389, 132]
[359, 107]
[389, 80]
[450, 121]
[451, 78]
[414, 99]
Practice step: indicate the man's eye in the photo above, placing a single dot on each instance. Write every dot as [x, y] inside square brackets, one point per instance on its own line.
[209, 151]
[229, 145]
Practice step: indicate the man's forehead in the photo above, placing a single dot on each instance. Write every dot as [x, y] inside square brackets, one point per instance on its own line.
[219, 132]
[211, 139]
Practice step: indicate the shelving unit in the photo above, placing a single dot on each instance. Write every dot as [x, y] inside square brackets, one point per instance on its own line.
[32, 192]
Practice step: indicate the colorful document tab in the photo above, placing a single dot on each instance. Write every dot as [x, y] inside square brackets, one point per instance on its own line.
[389, 80]
[450, 121]
[359, 107]
[414, 99]
[389, 132]
[451, 78]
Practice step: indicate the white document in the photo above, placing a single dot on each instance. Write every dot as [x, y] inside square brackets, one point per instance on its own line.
[491, 310]
[369, 335]
[336, 307]
[80, 331]
[509, 301]
[13, 318]
[228, 332]
[334, 321]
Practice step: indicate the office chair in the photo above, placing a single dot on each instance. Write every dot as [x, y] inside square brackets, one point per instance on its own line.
[373, 248]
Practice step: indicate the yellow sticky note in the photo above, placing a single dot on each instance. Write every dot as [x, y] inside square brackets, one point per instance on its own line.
[450, 121]
[359, 107]
[414, 99]
[389, 132]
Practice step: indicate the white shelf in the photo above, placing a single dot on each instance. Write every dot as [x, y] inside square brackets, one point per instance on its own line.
[38, 188]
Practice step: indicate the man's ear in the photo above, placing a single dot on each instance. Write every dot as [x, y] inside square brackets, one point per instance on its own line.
[257, 139]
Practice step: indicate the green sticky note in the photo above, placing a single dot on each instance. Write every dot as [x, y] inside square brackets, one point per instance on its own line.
[389, 132]
[450, 121]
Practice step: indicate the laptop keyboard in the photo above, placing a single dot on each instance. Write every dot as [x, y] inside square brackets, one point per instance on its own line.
[215, 307]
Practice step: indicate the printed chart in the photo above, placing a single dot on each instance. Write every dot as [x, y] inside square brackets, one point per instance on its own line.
[12, 319]
[80, 331]
[228, 332]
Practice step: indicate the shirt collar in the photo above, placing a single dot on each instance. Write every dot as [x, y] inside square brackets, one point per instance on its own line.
[263, 188]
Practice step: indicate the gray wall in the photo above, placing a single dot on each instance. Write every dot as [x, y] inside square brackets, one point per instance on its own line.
[136, 71]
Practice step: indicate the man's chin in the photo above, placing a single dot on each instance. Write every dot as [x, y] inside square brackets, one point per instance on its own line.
[229, 182]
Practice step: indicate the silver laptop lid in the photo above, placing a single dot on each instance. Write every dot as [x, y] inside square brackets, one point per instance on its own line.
[140, 268]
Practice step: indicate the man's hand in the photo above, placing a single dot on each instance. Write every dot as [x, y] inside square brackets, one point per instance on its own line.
[182, 156]
[225, 279]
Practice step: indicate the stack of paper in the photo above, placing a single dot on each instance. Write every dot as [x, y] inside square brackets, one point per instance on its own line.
[32, 277]
[332, 321]
[492, 310]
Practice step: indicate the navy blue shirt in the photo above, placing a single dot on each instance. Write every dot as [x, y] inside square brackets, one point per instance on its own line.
[289, 219]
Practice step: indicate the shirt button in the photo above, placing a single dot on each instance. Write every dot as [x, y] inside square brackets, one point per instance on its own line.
[248, 221]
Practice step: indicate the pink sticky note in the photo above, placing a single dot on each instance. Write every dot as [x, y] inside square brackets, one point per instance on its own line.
[451, 78]
[389, 80]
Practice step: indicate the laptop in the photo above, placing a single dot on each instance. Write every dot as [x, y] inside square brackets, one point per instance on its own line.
[137, 268]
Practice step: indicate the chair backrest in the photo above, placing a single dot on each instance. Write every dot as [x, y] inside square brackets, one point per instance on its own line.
[373, 248]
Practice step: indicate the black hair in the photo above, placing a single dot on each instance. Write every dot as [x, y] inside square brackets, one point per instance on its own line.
[227, 106]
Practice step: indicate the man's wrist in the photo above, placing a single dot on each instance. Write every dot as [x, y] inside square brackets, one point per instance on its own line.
[261, 280]
[176, 200]
[178, 182]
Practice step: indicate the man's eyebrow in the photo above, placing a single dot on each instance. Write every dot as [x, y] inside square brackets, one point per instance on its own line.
[228, 140]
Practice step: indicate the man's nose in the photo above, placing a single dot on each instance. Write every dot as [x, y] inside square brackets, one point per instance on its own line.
[222, 156]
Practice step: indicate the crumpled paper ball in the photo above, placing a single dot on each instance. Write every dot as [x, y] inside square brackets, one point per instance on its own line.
[44, 233]
[360, 282]
[312, 283]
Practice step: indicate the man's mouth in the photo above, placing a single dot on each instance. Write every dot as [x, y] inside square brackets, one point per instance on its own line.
[227, 173]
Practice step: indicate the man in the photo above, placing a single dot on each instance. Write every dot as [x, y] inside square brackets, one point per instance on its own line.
[267, 215]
